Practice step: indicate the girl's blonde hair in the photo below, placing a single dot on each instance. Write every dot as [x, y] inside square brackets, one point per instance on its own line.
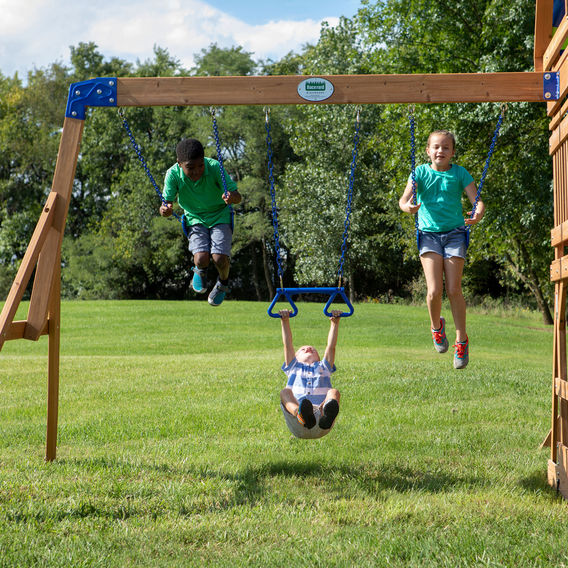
[443, 133]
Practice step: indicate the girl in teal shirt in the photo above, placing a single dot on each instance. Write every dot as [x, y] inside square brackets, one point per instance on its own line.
[439, 190]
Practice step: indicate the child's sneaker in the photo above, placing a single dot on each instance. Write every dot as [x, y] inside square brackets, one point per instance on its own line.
[330, 411]
[461, 354]
[217, 295]
[441, 343]
[306, 414]
[199, 280]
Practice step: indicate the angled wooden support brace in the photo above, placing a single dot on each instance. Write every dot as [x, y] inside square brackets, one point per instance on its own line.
[27, 266]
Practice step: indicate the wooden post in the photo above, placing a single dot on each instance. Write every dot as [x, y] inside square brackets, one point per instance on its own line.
[54, 320]
[542, 31]
[45, 250]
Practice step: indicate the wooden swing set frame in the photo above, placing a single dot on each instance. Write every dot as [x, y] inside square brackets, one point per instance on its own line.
[548, 84]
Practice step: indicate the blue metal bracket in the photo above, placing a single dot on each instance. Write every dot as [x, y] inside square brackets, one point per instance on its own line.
[551, 85]
[99, 92]
[287, 293]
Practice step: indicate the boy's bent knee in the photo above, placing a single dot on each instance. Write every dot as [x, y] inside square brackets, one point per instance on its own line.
[333, 393]
[201, 259]
[286, 394]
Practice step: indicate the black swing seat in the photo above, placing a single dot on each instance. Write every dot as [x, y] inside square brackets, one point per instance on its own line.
[288, 293]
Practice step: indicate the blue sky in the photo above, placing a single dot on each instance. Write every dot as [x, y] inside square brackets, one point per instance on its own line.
[43, 32]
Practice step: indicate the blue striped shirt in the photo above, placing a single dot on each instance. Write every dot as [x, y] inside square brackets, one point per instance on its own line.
[309, 381]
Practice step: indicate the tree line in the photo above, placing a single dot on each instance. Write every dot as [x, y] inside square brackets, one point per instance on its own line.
[117, 246]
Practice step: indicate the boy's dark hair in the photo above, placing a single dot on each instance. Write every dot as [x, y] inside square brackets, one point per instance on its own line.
[189, 149]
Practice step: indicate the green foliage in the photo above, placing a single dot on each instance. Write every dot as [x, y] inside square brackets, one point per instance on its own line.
[114, 206]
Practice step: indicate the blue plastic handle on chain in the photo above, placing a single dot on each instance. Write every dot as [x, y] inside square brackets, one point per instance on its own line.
[287, 293]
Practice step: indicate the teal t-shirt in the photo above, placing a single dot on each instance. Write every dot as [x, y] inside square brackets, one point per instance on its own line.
[202, 200]
[441, 196]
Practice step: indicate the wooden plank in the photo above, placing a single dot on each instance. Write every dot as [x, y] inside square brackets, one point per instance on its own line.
[558, 363]
[62, 185]
[17, 329]
[358, 89]
[27, 266]
[552, 52]
[557, 478]
[555, 120]
[559, 234]
[542, 30]
[559, 269]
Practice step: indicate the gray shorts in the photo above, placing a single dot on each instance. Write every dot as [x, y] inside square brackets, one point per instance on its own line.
[215, 240]
[448, 244]
[301, 431]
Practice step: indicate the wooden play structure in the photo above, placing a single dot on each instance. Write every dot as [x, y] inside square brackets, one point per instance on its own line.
[548, 84]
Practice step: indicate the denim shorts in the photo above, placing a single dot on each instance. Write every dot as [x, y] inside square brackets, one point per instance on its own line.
[448, 244]
[215, 240]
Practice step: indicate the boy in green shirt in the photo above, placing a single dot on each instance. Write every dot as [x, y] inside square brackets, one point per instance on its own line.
[196, 182]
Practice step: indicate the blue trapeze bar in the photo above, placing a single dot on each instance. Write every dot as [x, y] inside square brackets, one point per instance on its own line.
[99, 92]
[289, 292]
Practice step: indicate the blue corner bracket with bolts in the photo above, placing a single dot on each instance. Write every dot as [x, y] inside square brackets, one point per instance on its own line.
[99, 92]
[551, 85]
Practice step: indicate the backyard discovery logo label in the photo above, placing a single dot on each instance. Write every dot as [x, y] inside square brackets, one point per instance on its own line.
[315, 89]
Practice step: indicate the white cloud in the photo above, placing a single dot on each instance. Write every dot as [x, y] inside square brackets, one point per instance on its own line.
[15, 20]
[131, 28]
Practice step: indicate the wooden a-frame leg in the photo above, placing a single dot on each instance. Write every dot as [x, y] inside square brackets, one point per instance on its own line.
[54, 322]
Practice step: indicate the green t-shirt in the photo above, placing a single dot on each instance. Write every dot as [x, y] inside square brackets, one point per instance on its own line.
[202, 200]
[441, 196]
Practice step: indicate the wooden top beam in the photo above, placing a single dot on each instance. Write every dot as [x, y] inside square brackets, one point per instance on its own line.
[357, 89]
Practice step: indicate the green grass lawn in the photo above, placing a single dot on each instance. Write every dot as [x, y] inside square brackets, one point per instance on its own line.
[172, 449]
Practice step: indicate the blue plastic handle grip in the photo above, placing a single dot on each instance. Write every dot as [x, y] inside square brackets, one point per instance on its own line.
[289, 292]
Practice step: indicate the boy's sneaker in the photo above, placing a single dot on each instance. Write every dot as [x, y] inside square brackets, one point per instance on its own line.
[217, 295]
[461, 354]
[306, 414]
[441, 343]
[199, 280]
[330, 411]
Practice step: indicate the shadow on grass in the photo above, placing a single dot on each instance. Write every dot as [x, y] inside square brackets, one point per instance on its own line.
[252, 481]
[201, 489]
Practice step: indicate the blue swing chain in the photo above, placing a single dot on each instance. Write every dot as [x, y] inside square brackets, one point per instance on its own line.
[138, 151]
[488, 160]
[219, 153]
[413, 166]
[273, 194]
[349, 203]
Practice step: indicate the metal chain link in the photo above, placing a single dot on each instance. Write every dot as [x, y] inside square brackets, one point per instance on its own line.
[138, 151]
[488, 159]
[413, 164]
[347, 222]
[273, 194]
[219, 153]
